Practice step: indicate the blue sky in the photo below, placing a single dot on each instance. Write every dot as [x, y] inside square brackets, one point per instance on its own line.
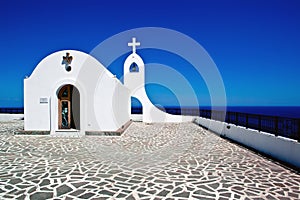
[255, 44]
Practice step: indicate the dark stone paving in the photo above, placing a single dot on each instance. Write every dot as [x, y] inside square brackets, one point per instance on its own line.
[149, 161]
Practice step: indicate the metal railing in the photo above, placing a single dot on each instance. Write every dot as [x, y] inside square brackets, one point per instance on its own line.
[279, 126]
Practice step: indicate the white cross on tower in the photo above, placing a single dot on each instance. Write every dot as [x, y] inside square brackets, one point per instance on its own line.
[134, 44]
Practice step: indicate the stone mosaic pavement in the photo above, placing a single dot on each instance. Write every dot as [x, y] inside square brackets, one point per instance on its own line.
[149, 161]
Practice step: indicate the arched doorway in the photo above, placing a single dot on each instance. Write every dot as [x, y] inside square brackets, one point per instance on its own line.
[68, 108]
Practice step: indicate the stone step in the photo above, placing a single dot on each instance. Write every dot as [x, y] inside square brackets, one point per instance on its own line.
[66, 134]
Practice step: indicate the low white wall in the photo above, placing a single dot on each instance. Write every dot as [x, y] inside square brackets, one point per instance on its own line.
[10, 117]
[136, 117]
[284, 149]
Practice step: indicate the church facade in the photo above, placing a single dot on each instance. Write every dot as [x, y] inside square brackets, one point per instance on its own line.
[72, 91]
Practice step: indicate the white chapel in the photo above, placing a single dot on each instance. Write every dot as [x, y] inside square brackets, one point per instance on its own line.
[72, 91]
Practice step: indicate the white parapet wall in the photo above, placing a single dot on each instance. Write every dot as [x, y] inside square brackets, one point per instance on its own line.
[10, 117]
[136, 117]
[284, 149]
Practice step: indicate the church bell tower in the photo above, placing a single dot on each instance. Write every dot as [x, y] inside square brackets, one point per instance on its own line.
[134, 69]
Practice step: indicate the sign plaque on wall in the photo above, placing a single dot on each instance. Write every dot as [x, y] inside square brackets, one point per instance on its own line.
[43, 100]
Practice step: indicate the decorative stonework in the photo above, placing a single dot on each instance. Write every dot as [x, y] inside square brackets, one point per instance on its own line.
[134, 166]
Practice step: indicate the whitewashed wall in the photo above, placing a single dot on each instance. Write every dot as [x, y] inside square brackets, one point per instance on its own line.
[284, 149]
[135, 82]
[97, 87]
[153, 114]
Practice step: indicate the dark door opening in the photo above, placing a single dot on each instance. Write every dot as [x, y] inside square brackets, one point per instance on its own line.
[68, 108]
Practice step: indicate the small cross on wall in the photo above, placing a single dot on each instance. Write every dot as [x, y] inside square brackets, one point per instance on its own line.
[67, 60]
[134, 44]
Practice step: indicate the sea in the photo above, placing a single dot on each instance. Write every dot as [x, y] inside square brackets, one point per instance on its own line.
[279, 111]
